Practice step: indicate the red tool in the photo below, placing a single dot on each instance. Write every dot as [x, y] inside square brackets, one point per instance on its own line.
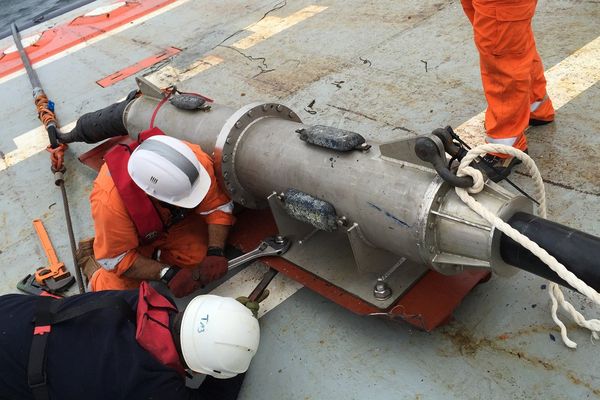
[55, 276]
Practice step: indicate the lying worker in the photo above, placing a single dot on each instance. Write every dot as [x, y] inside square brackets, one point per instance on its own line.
[158, 213]
[130, 344]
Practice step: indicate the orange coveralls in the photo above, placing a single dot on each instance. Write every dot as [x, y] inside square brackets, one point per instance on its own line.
[511, 69]
[116, 245]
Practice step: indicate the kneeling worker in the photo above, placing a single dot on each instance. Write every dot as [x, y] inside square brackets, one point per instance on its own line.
[131, 344]
[159, 214]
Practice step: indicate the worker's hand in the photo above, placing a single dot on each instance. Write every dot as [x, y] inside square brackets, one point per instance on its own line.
[212, 268]
[185, 282]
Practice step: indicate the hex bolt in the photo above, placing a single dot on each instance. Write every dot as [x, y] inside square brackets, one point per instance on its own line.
[225, 158]
[228, 140]
[279, 239]
[243, 201]
[225, 174]
[364, 147]
[279, 107]
[291, 114]
[238, 124]
[265, 107]
[382, 290]
[342, 221]
[250, 113]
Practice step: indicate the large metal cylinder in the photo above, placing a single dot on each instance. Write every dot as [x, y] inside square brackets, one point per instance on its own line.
[400, 205]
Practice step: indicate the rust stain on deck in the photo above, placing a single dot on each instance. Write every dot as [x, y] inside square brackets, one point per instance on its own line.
[466, 344]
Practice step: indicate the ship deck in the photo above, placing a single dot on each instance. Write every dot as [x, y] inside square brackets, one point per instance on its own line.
[386, 69]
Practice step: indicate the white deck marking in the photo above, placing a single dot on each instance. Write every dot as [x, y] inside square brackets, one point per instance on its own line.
[104, 9]
[169, 74]
[28, 41]
[244, 282]
[565, 81]
[29, 144]
[96, 39]
[262, 30]
[271, 25]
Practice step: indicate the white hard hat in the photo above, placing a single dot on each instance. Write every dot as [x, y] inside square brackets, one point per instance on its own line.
[219, 336]
[168, 170]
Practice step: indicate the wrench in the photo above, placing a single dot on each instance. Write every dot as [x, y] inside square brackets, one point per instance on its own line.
[271, 246]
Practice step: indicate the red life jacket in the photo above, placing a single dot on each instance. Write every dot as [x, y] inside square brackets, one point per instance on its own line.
[152, 331]
[138, 204]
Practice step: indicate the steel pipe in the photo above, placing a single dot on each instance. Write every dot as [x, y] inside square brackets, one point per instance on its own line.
[399, 204]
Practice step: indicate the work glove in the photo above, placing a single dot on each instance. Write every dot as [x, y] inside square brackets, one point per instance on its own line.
[214, 265]
[253, 306]
[184, 282]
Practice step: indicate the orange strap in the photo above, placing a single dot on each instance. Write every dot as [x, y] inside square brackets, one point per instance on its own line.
[44, 113]
[57, 156]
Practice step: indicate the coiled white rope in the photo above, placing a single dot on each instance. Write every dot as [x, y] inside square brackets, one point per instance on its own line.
[556, 295]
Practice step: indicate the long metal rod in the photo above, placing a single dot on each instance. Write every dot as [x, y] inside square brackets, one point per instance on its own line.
[33, 77]
[52, 131]
[61, 184]
[262, 285]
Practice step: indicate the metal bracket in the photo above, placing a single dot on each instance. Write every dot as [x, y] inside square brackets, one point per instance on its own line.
[149, 89]
[369, 258]
[345, 259]
[402, 150]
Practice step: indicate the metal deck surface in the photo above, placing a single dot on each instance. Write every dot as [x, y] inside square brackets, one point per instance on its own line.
[386, 69]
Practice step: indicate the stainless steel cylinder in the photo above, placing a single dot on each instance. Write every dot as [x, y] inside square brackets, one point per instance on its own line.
[400, 206]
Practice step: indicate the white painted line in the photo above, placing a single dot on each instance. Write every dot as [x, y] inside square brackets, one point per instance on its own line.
[104, 9]
[29, 144]
[271, 25]
[28, 41]
[96, 39]
[244, 282]
[169, 74]
[262, 30]
[565, 81]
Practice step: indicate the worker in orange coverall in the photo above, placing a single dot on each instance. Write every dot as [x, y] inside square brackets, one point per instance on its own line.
[173, 183]
[511, 72]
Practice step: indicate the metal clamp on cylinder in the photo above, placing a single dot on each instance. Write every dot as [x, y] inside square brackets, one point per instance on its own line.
[430, 148]
[333, 138]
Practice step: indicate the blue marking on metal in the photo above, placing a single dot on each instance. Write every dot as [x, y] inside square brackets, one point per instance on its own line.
[389, 215]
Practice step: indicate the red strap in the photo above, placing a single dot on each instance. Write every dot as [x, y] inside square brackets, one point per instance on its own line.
[152, 331]
[154, 131]
[48, 294]
[142, 212]
[42, 329]
[164, 100]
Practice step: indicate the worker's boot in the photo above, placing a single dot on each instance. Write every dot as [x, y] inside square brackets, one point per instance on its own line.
[86, 261]
[542, 112]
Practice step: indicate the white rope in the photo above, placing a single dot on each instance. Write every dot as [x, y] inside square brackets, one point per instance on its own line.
[556, 295]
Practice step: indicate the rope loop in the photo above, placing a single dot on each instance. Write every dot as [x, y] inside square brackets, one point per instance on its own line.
[556, 295]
